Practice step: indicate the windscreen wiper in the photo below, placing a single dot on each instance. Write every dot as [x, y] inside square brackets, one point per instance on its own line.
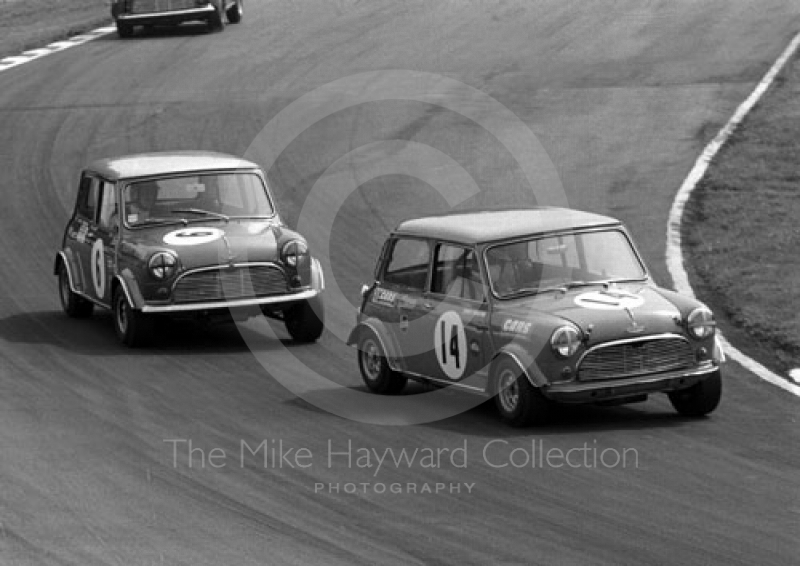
[201, 212]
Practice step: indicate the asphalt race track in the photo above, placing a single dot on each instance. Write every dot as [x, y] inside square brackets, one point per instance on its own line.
[621, 95]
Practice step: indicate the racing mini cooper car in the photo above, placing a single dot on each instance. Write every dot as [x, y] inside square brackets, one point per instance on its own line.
[184, 233]
[533, 307]
[130, 13]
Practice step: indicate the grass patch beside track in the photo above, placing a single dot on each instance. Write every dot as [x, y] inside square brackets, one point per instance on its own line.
[26, 24]
[742, 231]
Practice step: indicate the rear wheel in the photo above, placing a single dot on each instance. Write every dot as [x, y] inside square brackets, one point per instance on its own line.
[216, 21]
[72, 303]
[518, 402]
[305, 321]
[124, 30]
[235, 12]
[699, 399]
[374, 367]
[133, 327]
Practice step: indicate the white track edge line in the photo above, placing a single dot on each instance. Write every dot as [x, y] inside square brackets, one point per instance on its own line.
[674, 253]
[33, 54]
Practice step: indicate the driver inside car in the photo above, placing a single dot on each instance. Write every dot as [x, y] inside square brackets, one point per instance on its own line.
[511, 268]
[141, 199]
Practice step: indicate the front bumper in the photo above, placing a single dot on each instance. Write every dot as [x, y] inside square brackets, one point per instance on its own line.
[257, 301]
[589, 392]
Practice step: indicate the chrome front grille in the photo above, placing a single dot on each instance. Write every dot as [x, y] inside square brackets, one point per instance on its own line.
[230, 283]
[151, 6]
[633, 358]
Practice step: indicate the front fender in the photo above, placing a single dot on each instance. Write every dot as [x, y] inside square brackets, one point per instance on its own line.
[130, 287]
[317, 276]
[525, 361]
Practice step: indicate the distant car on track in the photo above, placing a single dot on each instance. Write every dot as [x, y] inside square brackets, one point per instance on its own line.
[184, 233]
[131, 13]
[532, 307]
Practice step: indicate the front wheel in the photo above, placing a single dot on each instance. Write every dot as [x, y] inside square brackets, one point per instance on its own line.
[133, 327]
[699, 399]
[235, 12]
[518, 402]
[73, 304]
[305, 321]
[374, 367]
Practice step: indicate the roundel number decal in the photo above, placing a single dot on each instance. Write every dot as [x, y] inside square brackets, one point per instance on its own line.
[192, 236]
[450, 343]
[99, 268]
[617, 300]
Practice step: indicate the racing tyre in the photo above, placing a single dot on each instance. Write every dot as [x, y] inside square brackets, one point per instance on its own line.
[124, 30]
[518, 402]
[73, 304]
[235, 12]
[133, 327]
[305, 321]
[700, 399]
[216, 22]
[375, 370]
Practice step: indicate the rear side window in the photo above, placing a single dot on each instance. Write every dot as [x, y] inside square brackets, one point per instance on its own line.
[88, 195]
[407, 265]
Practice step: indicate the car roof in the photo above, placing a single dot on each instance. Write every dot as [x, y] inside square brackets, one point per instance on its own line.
[166, 162]
[474, 227]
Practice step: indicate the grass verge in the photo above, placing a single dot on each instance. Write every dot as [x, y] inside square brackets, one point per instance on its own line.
[26, 24]
[742, 228]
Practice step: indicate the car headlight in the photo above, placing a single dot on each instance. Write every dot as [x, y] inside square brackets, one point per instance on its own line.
[700, 323]
[565, 341]
[162, 265]
[293, 251]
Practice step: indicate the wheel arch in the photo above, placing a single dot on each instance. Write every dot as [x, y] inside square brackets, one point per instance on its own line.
[130, 287]
[62, 259]
[378, 328]
[520, 358]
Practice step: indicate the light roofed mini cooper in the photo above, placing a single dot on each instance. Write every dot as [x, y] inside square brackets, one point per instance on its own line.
[184, 233]
[130, 13]
[532, 306]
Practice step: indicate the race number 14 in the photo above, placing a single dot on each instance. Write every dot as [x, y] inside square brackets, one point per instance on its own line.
[451, 344]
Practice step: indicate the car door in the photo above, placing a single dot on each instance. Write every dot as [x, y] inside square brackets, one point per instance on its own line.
[457, 325]
[97, 238]
[81, 232]
[398, 298]
[104, 247]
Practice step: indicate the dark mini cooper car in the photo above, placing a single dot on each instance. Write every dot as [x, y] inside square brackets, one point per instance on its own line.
[148, 13]
[532, 306]
[184, 233]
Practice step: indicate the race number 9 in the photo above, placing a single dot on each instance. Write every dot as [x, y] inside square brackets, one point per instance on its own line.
[450, 344]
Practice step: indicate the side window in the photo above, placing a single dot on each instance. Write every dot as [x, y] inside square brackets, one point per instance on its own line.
[408, 264]
[88, 195]
[456, 273]
[109, 214]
